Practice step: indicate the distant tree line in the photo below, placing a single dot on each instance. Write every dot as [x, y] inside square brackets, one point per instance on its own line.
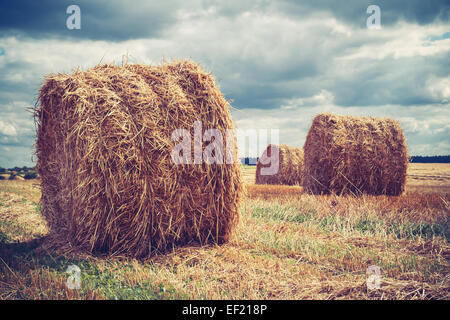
[430, 159]
[416, 159]
[17, 169]
[23, 172]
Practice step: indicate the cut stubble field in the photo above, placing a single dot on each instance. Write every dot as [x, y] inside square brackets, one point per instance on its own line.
[288, 245]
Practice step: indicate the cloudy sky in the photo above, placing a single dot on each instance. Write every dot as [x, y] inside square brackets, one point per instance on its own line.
[281, 62]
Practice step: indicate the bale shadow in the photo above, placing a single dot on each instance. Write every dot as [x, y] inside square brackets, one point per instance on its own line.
[9, 250]
[22, 257]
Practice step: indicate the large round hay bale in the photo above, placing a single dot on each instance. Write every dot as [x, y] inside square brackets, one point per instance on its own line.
[354, 155]
[288, 165]
[104, 143]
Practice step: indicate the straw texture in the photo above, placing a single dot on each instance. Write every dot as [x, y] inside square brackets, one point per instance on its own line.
[354, 155]
[290, 165]
[104, 145]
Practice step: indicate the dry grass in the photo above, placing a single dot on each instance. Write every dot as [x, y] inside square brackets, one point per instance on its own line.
[428, 177]
[268, 192]
[109, 183]
[287, 245]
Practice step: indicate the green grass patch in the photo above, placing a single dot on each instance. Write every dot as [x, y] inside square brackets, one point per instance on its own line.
[113, 281]
[412, 230]
[367, 226]
[4, 238]
[37, 207]
[282, 213]
[14, 230]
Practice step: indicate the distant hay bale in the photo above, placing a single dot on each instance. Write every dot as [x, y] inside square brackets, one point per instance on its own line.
[345, 154]
[290, 165]
[109, 184]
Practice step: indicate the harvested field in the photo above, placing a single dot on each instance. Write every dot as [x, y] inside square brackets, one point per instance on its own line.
[287, 245]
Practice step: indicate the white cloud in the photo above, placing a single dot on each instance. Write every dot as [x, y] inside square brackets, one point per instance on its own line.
[440, 88]
[7, 129]
[403, 41]
[323, 98]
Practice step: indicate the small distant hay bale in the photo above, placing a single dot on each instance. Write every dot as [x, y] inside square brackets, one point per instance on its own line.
[109, 184]
[289, 162]
[354, 155]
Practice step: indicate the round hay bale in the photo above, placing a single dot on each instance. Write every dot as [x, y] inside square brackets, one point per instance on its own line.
[354, 155]
[109, 184]
[289, 163]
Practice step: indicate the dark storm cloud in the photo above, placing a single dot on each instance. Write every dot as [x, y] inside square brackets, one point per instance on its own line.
[266, 86]
[24, 88]
[354, 11]
[358, 82]
[351, 11]
[102, 19]
[390, 81]
[116, 20]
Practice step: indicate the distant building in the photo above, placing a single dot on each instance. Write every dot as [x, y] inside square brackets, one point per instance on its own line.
[250, 161]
